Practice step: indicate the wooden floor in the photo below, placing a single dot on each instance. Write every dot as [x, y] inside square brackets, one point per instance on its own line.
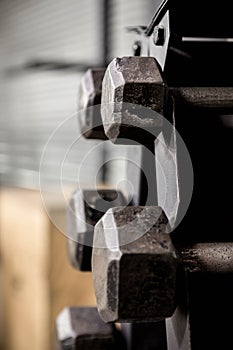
[37, 281]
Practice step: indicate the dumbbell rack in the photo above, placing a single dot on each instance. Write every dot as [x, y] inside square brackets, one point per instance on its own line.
[188, 79]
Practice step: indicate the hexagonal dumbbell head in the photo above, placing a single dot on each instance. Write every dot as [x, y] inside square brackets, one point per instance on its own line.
[134, 265]
[81, 328]
[86, 207]
[89, 99]
[132, 93]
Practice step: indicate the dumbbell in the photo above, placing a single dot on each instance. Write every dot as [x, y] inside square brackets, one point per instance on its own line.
[133, 93]
[131, 82]
[137, 280]
[134, 265]
[86, 207]
[89, 99]
[82, 328]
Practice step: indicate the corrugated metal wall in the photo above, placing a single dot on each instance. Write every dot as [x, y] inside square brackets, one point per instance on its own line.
[33, 102]
[58, 29]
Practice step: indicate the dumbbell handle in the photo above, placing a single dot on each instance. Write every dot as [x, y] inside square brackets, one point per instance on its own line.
[208, 257]
[204, 97]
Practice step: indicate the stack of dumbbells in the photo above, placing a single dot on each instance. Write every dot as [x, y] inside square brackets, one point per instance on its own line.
[161, 269]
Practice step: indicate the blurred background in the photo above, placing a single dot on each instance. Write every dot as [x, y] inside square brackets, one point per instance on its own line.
[46, 46]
